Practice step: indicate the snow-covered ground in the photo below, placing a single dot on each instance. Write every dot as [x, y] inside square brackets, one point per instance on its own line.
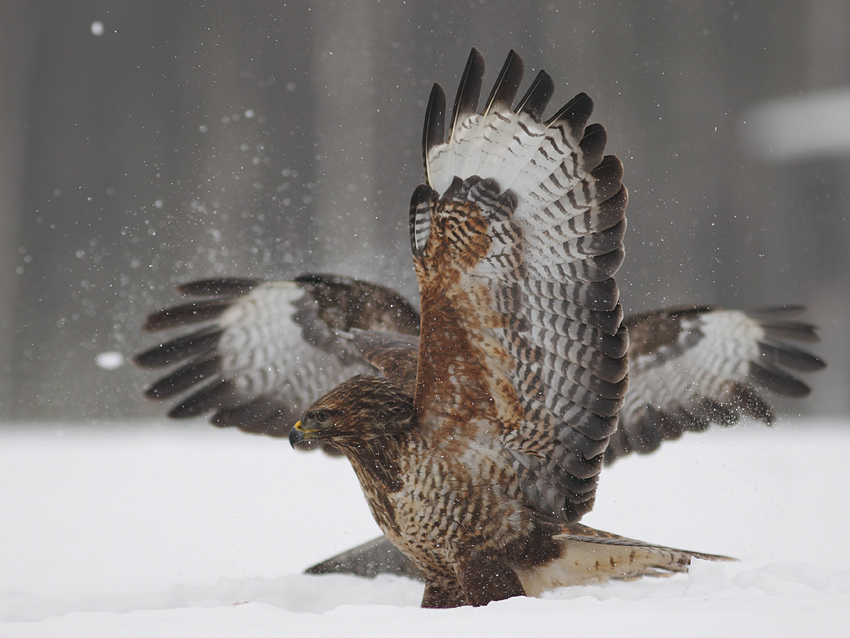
[170, 529]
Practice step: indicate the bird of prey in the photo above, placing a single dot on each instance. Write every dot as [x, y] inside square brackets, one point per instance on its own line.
[478, 427]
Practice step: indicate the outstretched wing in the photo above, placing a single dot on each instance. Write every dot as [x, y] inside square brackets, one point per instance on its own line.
[263, 350]
[515, 240]
[690, 367]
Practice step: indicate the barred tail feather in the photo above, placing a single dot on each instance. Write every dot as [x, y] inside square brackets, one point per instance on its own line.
[589, 556]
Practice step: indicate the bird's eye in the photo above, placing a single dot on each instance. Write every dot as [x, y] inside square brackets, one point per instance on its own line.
[322, 416]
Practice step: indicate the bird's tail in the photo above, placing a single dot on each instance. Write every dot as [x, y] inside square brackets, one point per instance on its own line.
[592, 556]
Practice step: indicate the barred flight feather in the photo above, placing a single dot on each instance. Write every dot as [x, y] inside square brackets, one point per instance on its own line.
[482, 443]
[266, 349]
[552, 248]
[706, 366]
[194, 344]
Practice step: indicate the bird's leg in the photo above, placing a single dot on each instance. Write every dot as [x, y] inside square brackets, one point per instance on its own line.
[443, 596]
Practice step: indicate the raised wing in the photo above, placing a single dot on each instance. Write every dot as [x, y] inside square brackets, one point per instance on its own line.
[690, 367]
[520, 340]
[262, 351]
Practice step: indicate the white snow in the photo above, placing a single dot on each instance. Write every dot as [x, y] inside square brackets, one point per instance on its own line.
[176, 529]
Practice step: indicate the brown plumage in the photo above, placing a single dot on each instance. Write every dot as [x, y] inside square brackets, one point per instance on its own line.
[420, 495]
[481, 475]
[463, 526]
[480, 446]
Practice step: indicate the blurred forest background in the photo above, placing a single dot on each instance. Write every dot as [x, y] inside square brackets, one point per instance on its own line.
[147, 143]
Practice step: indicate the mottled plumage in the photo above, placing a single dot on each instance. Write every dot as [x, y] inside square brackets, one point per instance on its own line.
[266, 349]
[479, 444]
[691, 367]
[481, 476]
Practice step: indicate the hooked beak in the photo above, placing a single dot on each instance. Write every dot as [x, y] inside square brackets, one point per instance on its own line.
[296, 435]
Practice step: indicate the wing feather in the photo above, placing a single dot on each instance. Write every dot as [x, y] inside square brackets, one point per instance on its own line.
[433, 133]
[691, 367]
[265, 350]
[469, 90]
[441, 159]
[193, 373]
[601, 297]
[194, 344]
[534, 102]
[206, 399]
[521, 339]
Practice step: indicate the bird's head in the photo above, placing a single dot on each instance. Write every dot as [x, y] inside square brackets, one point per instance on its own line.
[358, 411]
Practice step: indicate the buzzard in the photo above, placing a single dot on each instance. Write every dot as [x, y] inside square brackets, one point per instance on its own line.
[478, 427]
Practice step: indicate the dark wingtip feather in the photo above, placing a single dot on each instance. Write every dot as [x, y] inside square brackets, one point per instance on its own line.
[791, 330]
[608, 175]
[776, 380]
[194, 344]
[777, 323]
[593, 145]
[507, 84]
[575, 113]
[184, 378]
[468, 90]
[789, 357]
[537, 97]
[601, 267]
[211, 397]
[433, 132]
[195, 312]
[608, 322]
[609, 212]
[224, 287]
[602, 296]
